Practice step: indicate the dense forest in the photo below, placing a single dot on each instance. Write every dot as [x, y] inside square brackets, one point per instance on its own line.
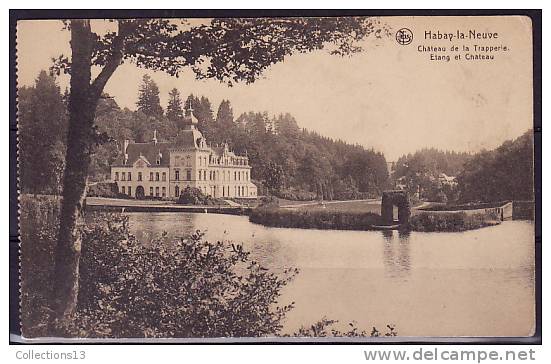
[42, 129]
[431, 160]
[420, 171]
[505, 173]
[286, 161]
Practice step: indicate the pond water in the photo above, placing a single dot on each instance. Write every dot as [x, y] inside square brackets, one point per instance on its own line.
[474, 283]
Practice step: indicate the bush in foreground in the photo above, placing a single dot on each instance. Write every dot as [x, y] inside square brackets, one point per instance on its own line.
[166, 288]
[326, 327]
[184, 288]
[38, 229]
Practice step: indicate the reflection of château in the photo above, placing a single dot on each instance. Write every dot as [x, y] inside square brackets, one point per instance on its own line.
[165, 169]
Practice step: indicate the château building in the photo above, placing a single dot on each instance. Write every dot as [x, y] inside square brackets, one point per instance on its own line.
[165, 169]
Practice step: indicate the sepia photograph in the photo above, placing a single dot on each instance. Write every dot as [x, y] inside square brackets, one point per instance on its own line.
[283, 178]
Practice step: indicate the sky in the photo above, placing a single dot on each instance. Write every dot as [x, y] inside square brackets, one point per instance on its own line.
[389, 97]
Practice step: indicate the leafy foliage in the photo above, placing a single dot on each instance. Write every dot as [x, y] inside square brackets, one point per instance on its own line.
[432, 161]
[194, 196]
[216, 50]
[174, 109]
[420, 172]
[291, 163]
[104, 189]
[506, 173]
[314, 219]
[227, 49]
[38, 227]
[325, 328]
[224, 115]
[148, 99]
[42, 126]
[452, 221]
[185, 287]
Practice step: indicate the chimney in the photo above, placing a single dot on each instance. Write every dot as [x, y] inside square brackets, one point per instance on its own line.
[155, 137]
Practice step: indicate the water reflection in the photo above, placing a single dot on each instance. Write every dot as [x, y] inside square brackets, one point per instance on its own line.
[271, 254]
[426, 283]
[147, 227]
[396, 253]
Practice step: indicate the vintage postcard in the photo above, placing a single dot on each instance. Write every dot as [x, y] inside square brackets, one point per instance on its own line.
[310, 178]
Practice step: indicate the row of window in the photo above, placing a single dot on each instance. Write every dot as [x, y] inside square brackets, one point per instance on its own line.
[127, 176]
[214, 175]
[237, 175]
[163, 192]
[225, 161]
[238, 191]
[202, 174]
[127, 190]
[203, 161]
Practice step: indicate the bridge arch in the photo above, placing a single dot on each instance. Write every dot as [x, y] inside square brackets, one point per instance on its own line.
[397, 198]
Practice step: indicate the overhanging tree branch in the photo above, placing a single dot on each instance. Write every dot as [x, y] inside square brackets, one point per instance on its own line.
[233, 50]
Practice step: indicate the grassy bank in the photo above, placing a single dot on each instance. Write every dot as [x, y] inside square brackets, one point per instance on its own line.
[314, 219]
[452, 221]
[346, 206]
[363, 216]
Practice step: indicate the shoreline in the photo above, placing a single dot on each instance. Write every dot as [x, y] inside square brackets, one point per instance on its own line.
[122, 205]
[300, 216]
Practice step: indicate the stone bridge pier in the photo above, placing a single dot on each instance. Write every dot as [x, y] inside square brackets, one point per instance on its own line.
[397, 198]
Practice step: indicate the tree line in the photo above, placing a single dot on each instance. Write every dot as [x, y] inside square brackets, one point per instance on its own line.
[216, 49]
[504, 173]
[286, 161]
[229, 50]
[419, 173]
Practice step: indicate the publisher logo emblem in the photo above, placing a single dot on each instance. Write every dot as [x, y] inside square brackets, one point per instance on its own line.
[404, 36]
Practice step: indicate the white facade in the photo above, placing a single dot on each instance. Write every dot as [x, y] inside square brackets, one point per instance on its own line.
[164, 170]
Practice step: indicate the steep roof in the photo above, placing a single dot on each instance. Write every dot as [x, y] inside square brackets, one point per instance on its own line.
[148, 150]
[188, 138]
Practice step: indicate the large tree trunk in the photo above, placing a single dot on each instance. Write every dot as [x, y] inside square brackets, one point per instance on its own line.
[82, 105]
